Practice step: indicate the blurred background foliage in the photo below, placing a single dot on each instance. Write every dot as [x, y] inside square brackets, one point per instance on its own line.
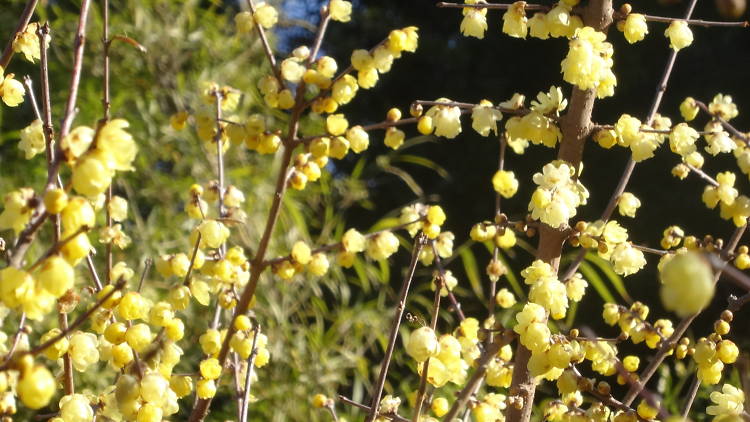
[328, 335]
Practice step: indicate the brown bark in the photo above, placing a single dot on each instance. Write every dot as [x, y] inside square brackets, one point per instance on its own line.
[576, 128]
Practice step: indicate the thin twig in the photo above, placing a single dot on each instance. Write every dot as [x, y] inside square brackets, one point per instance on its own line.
[693, 22]
[186, 282]
[366, 408]
[419, 243]
[728, 126]
[325, 18]
[94, 274]
[75, 79]
[146, 267]
[738, 277]
[266, 46]
[691, 397]
[106, 103]
[491, 6]
[220, 163]
[439, 282]
[56, 247]
[248, 374]
[17, 336]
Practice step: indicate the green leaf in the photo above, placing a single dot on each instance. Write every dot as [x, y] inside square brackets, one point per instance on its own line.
[472, 272]
[590, 274]
[614, 278]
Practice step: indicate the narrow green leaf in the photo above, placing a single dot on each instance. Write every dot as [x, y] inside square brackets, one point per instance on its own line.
[472, 272]
[590, 274]
[611, 275]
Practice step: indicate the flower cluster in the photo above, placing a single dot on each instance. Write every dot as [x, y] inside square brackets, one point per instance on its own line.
[558, 195]
[588, 64]
[610, 240]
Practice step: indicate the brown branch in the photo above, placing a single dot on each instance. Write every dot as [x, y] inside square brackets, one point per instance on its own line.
[702, 175]
[738, 277]
[728, 126]
[325, 18]
[75, 79]
[691, 397]
[455, 305]
[419, 243]
[220, 164]
[490, 6]
[433, 324]
[16, 337]
[146, 267]
[266, 46]
[393, 417]
[245, 401]
[67, 381]
[94, 274]
[192, 259]
[382, 125]
[23, 21]
[477, 377]
[200, 409]
[576, 126]
[106, 103]
[56, 247]
[693, 22]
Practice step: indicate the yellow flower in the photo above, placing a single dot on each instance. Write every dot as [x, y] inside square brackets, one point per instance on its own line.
[423, 344]
[722, 106]
[266, 15]
[17, 210]
[635, 28]
[626, 259]
[27, 42]
[688, 109]
[729, 402]
[344, 89]
[77, 142]
[514, 20]
[628, 204]
[558, 20]
[505, 183]
[687, 284]
[358, 139]
[682, 139]
[679, 34]
[11, 90]
[244, 22]
[474, 23]
[336, 124]
[538, 27]
[292, 70]
[92, 174]
[340, 10]
[589, 62]
[446, 119]
[115, 140]
[484, 118]
[32, 139]
[394, 137]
